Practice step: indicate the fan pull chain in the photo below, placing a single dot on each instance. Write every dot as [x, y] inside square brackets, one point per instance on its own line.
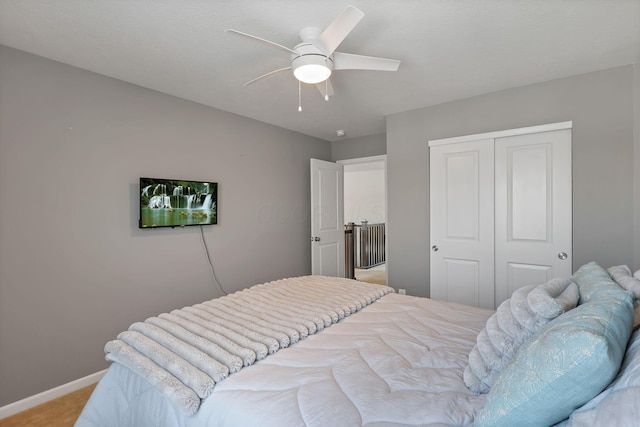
[326, 90]
[299, 96]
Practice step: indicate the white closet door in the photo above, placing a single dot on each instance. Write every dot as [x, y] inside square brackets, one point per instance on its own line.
[533, 210]
[462, 221]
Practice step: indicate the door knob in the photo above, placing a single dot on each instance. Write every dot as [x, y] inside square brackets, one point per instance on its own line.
[434, 248]
[562, 255]
[314, 239]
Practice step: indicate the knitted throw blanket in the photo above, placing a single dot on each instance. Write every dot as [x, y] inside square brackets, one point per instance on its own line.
[183, 354]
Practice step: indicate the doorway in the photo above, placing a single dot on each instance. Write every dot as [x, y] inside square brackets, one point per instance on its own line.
[365, 205]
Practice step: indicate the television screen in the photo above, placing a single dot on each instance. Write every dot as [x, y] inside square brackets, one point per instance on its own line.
[176, 203]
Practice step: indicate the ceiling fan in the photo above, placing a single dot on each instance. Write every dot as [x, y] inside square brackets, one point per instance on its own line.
[313, 60]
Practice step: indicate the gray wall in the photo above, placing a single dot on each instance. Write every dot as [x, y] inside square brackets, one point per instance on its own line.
[74, 268]
[600, 104]
[636, 163]
[353, 148]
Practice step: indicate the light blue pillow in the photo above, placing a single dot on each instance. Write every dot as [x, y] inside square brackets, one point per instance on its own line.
[617, 405]
[592, 281]
[568, 362]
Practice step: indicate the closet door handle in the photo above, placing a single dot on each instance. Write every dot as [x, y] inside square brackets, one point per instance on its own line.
[562, 255]
[434, 248]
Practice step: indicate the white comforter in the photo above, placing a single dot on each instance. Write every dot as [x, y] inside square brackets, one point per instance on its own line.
[399, 361]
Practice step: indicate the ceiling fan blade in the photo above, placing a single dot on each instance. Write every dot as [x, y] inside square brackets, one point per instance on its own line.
[273, 44]
[325, 88]
[349, 61]
[269, 74]
[339, 29]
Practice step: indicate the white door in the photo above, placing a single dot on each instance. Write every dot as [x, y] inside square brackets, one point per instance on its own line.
[462, 220]
[533, 210]
[327, 218]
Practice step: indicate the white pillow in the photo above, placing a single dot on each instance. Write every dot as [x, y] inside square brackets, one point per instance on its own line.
[516, 320]
[622, 276]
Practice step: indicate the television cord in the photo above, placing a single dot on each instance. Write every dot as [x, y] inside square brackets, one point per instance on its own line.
[213, 273]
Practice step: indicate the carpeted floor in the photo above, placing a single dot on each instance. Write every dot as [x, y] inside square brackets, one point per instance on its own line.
[60, 412]
[375, 274]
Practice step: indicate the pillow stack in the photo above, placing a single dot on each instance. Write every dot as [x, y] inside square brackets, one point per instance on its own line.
[568, 362]
[516, 320]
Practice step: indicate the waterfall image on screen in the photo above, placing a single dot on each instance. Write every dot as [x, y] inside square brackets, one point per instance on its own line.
[174, 203]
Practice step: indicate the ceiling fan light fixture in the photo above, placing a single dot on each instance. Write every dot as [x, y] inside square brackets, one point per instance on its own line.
[311, 69]
[312, 73]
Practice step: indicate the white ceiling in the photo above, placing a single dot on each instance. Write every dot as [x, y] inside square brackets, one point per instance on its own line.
[450, 49]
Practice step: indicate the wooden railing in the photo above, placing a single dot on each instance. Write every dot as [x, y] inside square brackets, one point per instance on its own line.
[364, 246]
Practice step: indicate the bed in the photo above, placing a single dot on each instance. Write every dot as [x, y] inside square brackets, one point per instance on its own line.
[349, 353]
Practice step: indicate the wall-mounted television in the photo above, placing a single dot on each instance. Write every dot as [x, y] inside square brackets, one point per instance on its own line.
[177, 203]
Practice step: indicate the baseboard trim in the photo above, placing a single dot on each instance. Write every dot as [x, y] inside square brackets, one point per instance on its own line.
[45, 396]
